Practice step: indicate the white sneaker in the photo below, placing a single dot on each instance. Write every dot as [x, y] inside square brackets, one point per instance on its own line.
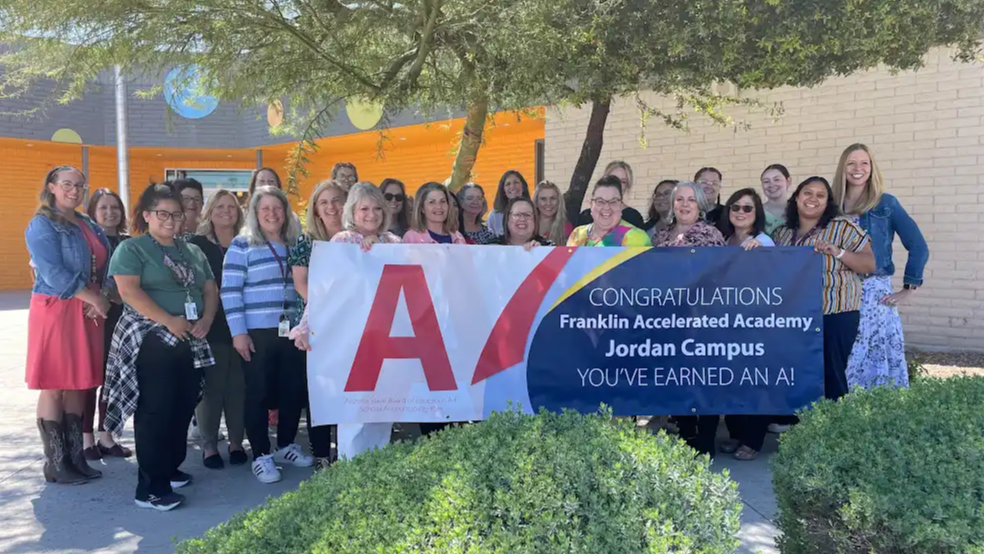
[265, 470]
[777, 428]
[292, 454]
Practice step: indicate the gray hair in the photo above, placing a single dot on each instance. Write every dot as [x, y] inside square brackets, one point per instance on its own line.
[704, 206]
[251, 229]
[357, 193]
[461, 198]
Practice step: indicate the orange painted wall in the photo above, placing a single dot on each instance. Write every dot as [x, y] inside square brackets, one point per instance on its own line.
[414, 154]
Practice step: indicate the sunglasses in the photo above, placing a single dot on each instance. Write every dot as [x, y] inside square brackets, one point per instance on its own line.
[746, 208]
[390, 197]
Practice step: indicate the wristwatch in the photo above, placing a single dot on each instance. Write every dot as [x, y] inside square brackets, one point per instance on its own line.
[907, 286]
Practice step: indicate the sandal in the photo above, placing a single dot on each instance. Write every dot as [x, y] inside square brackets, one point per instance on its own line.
[745, 454]
[729, 446]
[115, 451]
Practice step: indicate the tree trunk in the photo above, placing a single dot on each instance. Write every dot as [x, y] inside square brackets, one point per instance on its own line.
[591, 149]
[475, 122]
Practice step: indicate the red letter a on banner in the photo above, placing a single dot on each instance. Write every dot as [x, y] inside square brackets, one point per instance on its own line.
[377, 345]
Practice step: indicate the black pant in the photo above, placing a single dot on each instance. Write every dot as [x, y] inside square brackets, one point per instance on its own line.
[276, 364]
[749, 430]
[169, 386]
[319, 436]
[840, 331]
[699, 432]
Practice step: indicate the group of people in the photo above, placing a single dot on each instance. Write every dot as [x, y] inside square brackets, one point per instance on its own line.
[202, 311]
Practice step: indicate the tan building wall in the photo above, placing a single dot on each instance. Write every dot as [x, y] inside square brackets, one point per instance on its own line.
[926, 132]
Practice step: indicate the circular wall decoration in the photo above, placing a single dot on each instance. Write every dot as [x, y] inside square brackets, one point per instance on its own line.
[363, 114]
[275, 113]
[180, 91]
[66, 135]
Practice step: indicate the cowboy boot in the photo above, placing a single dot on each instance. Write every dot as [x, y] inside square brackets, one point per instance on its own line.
[73, 439]
[57, 466]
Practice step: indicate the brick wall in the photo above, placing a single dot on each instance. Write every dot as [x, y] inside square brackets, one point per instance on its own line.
[926, 132]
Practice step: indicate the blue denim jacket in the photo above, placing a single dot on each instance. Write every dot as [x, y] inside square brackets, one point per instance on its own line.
[884, 221]
[60, 256]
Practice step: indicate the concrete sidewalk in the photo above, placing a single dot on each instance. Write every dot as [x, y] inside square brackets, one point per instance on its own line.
[100, 516]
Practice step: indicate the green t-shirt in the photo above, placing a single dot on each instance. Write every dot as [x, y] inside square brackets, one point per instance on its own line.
[141, 257]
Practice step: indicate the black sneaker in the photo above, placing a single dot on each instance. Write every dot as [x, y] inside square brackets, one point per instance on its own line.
[180, 479]
[164, 503]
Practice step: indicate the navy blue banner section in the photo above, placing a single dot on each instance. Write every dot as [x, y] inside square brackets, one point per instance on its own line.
[686, 331]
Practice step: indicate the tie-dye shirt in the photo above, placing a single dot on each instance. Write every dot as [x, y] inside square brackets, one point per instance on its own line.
[623, 234]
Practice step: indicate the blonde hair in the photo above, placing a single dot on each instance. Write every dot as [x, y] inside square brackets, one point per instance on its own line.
[625, 167]
[556, 232]
[873, 188]
[289, 231]
[420, 220]
[47, 198]
[205, 224]
[357, 193]
[313, 224]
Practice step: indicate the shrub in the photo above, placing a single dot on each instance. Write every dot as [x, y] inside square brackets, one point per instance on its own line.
[885, 470]
[550, 483]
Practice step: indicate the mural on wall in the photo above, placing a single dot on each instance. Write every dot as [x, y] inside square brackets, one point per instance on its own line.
[181, 90]
[363, 114]
[66, 135]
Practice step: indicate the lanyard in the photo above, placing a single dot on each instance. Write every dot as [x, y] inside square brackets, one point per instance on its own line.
[284, 275]
[802, 240]
[183, 272]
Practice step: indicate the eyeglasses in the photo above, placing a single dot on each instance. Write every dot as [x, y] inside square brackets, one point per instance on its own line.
[522, 216]
[164, 215]
[745, 208]
[710, 183]
[67, 186]
[191, 200]
[601, 203]
[390, 197]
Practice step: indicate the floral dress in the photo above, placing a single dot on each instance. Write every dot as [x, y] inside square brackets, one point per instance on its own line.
[483, 236]
[299, 256]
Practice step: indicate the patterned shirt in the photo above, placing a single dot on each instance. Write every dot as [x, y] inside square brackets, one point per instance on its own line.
[299, 256]
[842, 287]
[699, 234]
[623, 234]
[483, 236]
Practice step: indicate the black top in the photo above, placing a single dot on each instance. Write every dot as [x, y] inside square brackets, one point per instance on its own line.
[219, 332]
[540, 240]
[629, 215]
[115, 310]
[715, 214]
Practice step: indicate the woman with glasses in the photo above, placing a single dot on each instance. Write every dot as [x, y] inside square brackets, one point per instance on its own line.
[398, 205]
[607, 227]
[659, 211]
[259, 299]
[159, 346]
[69, 254]
[106, 209]
[345, 174]
[521, 226]
[622, 171]
[812, 220]
[192, 200]
[473, 201]
[435, 220]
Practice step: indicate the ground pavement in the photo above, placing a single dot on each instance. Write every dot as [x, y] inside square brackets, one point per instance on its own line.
[100, 516]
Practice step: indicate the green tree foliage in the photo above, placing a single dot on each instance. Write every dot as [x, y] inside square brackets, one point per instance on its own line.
[684, 50]
[427, 55]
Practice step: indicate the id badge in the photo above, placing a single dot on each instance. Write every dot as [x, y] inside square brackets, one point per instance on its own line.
[191, 311]
[283, 328]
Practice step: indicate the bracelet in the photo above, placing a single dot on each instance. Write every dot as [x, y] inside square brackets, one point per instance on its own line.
[840, 254]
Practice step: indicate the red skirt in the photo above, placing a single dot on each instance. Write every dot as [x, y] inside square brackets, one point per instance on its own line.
[64, 347]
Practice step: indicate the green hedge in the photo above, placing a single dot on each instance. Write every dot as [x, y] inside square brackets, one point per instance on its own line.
[513, 484]
[885, 470]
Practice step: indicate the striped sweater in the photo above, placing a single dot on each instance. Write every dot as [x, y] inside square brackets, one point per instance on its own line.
[253, 289]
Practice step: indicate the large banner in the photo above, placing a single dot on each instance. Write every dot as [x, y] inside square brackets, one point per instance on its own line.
[427, 333]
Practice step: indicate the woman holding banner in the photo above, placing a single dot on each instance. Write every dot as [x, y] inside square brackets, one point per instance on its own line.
[687, 227]
[812, 220]
[743, 224]
[323, 221]
[607, 227]
[521, 225]
[877, 357]
[365, 220]
[435, 220]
